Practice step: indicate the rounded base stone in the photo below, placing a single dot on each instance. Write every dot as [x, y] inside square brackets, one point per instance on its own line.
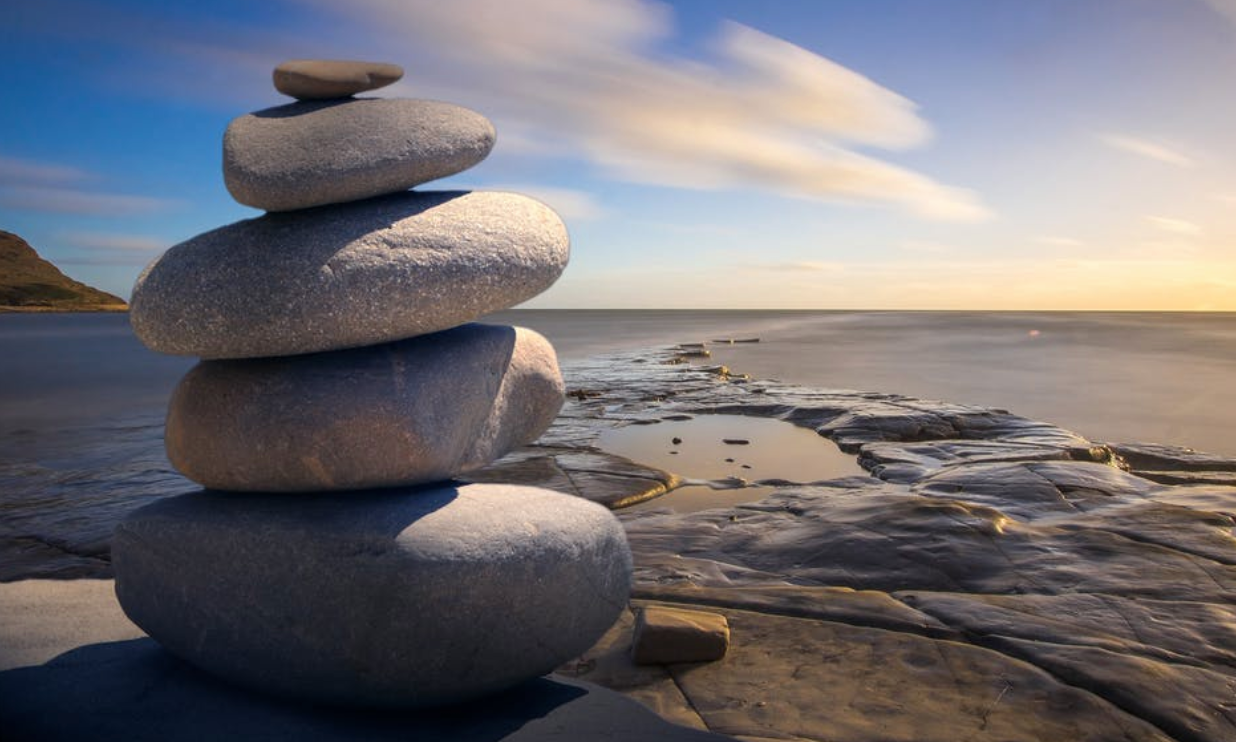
[394, 598]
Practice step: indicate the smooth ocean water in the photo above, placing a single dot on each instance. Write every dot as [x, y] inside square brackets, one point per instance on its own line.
[82, 402]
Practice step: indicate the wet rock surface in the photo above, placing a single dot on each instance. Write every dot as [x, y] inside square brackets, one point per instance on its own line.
[665, 636]
[992, 577]
[82, 671]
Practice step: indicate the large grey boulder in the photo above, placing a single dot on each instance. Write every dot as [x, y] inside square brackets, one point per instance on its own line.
[415, 411]
[348, 276]
[313, 153]
[385, 598]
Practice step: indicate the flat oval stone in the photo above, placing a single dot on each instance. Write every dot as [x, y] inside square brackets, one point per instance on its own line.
[348, 276]
[416, 411]
[387, 598]
[332, 78]
[326, 152]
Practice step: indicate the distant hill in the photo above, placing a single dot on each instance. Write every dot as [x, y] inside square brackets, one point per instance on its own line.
[29, 283]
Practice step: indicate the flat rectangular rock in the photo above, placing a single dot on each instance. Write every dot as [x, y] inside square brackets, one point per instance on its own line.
[666, 635]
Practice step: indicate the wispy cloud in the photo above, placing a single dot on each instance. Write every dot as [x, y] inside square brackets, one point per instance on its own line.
[1179, 227]
[753, 111]
[800, 266]
[30, 185]
[1153, 150]
[114, 242]
[71, 201]
[108, 249]
[1225, 8]
[1169, 249]
[32, 172]
[1056, 241]
[925, 247]
[698, 229]
[570, 203]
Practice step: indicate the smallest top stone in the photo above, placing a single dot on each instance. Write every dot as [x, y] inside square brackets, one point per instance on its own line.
[320, 79]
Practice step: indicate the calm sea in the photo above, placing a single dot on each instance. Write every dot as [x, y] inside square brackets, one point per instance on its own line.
[81, 401]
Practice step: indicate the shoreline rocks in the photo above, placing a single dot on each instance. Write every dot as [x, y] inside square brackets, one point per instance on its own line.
[390, 598]
[338, 359]
[413, 411]
[1114, 609]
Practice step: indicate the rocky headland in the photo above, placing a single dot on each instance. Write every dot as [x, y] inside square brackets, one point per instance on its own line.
[28, 283]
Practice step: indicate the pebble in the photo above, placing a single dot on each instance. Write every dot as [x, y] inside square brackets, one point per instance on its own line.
[313, 79]
[665, 635]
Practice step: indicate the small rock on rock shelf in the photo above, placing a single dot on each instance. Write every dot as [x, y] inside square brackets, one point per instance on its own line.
[736, 441]
[665, 635]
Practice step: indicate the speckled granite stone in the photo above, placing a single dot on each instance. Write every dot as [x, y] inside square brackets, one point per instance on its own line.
[348, 276]
[415, 411]
[324, 152]
[386, 598]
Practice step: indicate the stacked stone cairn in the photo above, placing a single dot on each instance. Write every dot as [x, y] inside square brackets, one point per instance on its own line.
[331, 558]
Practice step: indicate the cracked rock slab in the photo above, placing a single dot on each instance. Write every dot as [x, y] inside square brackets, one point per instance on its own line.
[392, 598]
[795, 678]
[885, 538]
[74, 668]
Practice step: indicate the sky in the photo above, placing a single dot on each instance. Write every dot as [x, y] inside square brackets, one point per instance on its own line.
[814, 154]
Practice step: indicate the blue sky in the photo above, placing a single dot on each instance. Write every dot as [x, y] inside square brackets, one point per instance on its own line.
[988, 154]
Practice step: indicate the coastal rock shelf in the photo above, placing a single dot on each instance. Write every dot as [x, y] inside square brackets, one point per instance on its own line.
[991, 577]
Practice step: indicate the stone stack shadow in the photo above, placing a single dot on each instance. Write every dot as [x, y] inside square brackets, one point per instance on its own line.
[343, 384]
